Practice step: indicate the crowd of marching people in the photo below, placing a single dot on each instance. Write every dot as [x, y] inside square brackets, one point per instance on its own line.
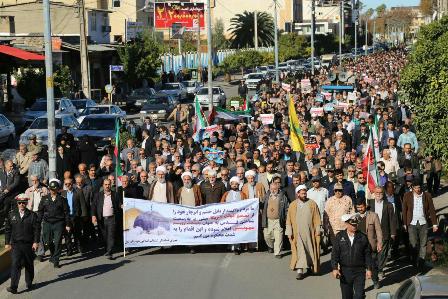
[315, 194]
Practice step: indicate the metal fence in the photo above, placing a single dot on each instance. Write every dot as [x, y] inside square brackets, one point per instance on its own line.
[189, 60]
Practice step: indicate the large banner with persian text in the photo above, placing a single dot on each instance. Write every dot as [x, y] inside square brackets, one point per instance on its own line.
[149, 223]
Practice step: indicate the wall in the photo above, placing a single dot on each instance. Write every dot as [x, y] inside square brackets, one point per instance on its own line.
[96, 20]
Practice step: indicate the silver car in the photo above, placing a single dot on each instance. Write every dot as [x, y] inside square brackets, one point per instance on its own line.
[176, 90]
[39, 127]
[39, 108]
[219, 97]
[417, 287]
[7, 131]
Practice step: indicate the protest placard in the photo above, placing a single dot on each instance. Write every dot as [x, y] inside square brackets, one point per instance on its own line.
[319, 111]
[305, 86]
[311, 142]
[266, 119]
[214, 154]
[150, 223]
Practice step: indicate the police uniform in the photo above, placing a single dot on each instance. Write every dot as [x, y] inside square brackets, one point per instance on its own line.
[352, 256]
[55, 216]
[22, 229]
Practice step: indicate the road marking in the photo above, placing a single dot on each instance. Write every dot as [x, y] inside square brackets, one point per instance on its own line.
[226, 261]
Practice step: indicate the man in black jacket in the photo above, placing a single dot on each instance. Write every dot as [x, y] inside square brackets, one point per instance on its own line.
[106, 208]
[78, 210]
[350, 258]
[242, 89]
[54, 213]
[22, 235]
[10, 180]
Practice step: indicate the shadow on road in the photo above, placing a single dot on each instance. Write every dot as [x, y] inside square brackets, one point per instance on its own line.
[88, 273]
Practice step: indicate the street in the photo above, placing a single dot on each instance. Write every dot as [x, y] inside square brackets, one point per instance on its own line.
[173, 273]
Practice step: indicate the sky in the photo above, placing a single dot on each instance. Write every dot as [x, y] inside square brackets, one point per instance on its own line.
[390, 3]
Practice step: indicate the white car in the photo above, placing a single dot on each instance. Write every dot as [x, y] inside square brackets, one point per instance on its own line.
[7, 131]
[81, 104]
[39, 108]
[102, 109]
[254, 80]
[219, 97]
[39, 127]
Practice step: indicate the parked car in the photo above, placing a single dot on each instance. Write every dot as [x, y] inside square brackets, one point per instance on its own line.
[81, 104]
[192, 86]
[158, 107]
[102, 109]
[176, 90]
[219, 97]
[39, 127]
[100, 128]
[427, 287]
[139, 96]
[39, 108]
[254, 80]
[7, 131]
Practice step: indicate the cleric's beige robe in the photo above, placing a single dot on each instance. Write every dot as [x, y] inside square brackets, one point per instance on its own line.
[304, 229]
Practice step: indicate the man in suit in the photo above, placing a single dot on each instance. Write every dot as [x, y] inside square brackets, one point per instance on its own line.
[389, 133]
[408, 154]
[74, 238]
[105, 210]
[418, 215]
[143, 183]
[147, 143]
[358, 134]
[290, 189]
[369, 224]
[387, 216]
[150, 127]
[9, 179]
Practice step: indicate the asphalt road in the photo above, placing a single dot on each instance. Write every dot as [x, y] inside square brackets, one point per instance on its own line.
[173, 273]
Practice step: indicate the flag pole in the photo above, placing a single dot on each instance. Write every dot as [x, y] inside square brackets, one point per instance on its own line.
[124, 240]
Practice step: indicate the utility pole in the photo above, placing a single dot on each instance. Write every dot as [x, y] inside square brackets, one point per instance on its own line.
[209, 52]
[85, 68]
[199, 52]
[277, 79]
[50, 90]
[340, 33]
[373, 35]
[356, 38]
[343, 21]
[367, 35]
[256, 30]
[313, 15]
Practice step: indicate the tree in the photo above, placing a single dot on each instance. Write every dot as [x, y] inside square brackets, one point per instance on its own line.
[31, 85]
[425, 83]
[293, 46]
[63, 81]
[219, 39]
[426, 7]
[380, 10]
[242, 30]
[141, 59]
[242, 60]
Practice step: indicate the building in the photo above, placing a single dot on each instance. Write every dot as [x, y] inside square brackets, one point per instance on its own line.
[26, 19]
[441, 8]
[327, 15]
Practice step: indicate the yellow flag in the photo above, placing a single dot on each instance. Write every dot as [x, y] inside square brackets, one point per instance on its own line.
[296, 137]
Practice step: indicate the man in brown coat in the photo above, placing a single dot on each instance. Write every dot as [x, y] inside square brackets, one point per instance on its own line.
[418, 215]
[369, 224]
[189, 194]
[212, 190]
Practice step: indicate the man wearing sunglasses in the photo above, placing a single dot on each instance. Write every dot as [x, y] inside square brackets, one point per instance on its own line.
[22, 236]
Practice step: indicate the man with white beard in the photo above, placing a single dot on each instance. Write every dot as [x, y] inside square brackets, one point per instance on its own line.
[231, 196]
[189, 195]
[161, 190]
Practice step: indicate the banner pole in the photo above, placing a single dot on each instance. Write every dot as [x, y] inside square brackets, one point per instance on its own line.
[124, 241]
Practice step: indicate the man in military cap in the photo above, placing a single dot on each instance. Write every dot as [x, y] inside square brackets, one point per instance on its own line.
[351, 259]
[54, 212]
[22, 235]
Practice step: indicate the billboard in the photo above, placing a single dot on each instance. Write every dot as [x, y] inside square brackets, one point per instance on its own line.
[185, 13]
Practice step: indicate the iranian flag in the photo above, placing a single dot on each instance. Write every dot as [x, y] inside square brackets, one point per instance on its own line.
[372, 153]
[118, 172]
[200, 121]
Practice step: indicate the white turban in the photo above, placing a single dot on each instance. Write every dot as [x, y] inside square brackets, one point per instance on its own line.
[186, 173]
[161, 169]
[206, 169]
[250, 173]
[300, 187]
[235, 179]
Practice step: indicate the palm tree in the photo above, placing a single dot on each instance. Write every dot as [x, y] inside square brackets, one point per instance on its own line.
[242, 30]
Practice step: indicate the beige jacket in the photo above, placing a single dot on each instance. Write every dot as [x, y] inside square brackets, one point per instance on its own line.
[23, 161]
